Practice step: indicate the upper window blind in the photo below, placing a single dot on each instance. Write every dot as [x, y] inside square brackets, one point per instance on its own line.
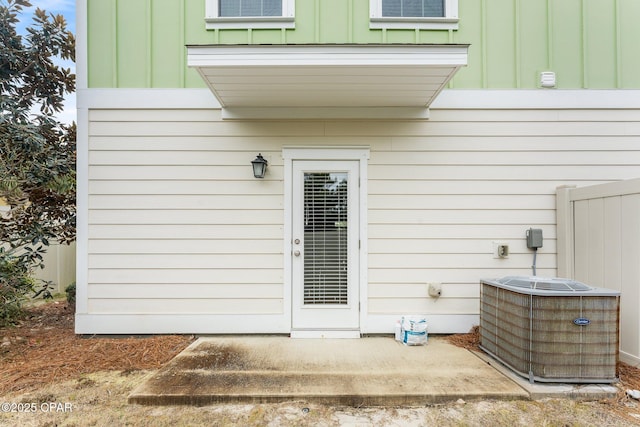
[413, 8]
[229, 8]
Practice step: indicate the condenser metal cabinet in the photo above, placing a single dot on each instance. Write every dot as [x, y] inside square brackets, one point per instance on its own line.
[551, 329]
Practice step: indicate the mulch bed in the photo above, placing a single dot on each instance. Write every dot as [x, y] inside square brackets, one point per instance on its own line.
[44, 349]
[470, 341]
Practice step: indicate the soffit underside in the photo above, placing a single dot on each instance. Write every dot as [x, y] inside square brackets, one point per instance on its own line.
[325, 76]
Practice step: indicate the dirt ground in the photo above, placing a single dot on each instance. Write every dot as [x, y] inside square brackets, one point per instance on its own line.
[51, 377]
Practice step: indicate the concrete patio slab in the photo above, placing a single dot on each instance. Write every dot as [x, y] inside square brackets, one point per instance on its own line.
[377, 371]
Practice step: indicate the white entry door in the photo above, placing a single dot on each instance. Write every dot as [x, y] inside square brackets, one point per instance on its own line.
[325, 246]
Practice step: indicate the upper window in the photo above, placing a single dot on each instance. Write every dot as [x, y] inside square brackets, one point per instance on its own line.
[250, 13]
[423, 14]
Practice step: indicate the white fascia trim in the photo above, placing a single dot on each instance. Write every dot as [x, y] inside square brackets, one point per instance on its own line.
[537, 99]
[516, 99]
[436, 323]
[82, 210]
[325, 113]
[326, 55]
[147, 99]
[180, 324]
[82, 162]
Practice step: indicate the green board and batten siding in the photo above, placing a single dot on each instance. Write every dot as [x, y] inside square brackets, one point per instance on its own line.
[588, 43]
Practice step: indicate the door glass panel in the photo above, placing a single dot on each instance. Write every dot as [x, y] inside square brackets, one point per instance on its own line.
[325, 238]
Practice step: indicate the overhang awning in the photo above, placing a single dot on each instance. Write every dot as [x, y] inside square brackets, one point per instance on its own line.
[327, 81]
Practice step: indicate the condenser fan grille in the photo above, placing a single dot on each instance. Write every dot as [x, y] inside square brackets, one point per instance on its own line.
[544, 283]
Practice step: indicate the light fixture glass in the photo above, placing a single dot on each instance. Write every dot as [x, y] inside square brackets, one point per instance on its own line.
[259, 166]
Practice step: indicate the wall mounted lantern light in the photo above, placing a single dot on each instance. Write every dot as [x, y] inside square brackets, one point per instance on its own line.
[259, 166]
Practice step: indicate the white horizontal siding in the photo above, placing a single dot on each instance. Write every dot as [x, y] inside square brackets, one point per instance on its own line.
[179, 291]
[223, 143]
[424, 305]
[417, 290]
[462, 186]
[453, 231]
[196, 305]
[439, 200]
[177, 223]
[185, 231]
[229, 174]
[163, 261]
[462, 202]
[170, 187]
[401, 261]
[475, 129]
[550, 173]
[186, 202]
[183, 276]
[179, 215]
[450, 215]
[179, 246]
[502, 144]
[175, 210]
[448, 246]
[462, 275]
[510, 158]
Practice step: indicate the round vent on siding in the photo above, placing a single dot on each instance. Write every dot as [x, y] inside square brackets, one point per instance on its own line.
[544, 283]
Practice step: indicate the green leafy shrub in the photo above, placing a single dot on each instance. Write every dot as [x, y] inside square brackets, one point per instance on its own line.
[71, 294]
[17, 284]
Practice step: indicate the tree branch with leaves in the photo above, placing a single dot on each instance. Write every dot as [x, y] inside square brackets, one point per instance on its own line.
[37, 151]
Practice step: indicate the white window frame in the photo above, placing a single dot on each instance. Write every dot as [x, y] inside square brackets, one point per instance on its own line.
[448, 22]
[213, 19]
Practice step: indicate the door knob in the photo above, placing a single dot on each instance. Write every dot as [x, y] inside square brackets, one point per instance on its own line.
[296, 253]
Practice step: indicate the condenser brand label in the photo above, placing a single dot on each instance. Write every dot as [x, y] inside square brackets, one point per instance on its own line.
[581, 321]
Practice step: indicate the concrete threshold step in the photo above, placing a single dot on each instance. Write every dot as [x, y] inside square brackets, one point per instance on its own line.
[203, 388]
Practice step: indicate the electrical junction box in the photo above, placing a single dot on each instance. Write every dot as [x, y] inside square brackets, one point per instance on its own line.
[534, 238]
[500, 250]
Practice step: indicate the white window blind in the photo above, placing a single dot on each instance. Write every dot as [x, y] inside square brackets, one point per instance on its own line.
[325, 238]
[250, 8]
[413, 8]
